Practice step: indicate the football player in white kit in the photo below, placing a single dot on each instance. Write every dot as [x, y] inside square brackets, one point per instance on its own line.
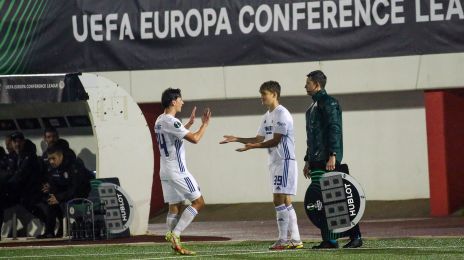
[177, 182]
[277, 135]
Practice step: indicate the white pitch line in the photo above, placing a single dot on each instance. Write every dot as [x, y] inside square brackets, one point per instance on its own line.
[213, 255]
[393, 220]
[288, 251]
[231, 252]
[110, 254]
[404, 247]
[69, 255]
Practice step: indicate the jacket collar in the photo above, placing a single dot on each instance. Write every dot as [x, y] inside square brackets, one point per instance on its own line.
[319, 95]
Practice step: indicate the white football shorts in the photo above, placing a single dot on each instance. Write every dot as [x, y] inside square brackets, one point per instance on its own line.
[178, 190]
[284, 176]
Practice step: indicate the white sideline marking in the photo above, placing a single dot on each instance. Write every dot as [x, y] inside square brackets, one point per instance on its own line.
[289, 251]
[402, 247]
[108, 254]
[393, 220]
[222, 254]
[231, 252]
[113, 254]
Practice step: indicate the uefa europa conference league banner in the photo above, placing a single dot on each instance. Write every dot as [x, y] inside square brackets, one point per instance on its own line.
[83, 35]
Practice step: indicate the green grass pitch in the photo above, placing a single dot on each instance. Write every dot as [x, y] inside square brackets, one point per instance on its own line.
[412, 248]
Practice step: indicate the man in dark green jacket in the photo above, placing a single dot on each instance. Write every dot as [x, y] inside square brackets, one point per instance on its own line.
[325, 146]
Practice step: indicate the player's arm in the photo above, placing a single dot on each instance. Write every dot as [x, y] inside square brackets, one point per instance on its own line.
[267, 144]
[231, 139]
[196, 136]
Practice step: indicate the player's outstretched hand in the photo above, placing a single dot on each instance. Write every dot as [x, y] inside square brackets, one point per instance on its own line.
[191, 118]
[228, 139]
[246, 148]
[192, 115]
[206, 116]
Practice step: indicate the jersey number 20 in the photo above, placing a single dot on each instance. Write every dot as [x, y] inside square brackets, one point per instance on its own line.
[162, 143]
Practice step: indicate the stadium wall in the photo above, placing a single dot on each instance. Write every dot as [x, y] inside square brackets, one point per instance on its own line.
[384, 120]
[386, 151]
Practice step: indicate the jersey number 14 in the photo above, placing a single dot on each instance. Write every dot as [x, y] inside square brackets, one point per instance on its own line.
[162, 144]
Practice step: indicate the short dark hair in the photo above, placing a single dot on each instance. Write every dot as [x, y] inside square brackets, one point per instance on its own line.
[271, 86]
[169, 95]
[51, 129]
[17, 135]
[62, 143]
[318, 76]
[56, 149]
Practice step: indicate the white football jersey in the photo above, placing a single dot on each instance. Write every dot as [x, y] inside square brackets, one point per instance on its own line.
[279, 121]
[170, 133]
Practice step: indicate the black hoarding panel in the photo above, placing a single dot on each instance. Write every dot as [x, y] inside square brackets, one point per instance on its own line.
[80, 35]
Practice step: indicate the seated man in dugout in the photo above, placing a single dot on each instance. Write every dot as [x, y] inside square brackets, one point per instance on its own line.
[66, 179]
[50, 137]
[20, 176]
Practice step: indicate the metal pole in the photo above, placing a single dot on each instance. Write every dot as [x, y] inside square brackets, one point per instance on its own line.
[14, 225]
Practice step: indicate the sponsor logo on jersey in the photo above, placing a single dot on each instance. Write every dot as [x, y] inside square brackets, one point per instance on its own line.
[177, 124]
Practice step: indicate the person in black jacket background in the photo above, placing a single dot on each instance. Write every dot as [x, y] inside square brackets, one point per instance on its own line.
[27, 176]
[21, 176]
[50, 137]
[66, 179]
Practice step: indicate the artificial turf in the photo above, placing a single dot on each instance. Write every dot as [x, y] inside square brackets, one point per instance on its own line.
[408, 248]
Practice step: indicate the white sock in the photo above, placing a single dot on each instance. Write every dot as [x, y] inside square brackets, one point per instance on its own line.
[171, 221]
[282, 221]
[187, 216]
[293, 224]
